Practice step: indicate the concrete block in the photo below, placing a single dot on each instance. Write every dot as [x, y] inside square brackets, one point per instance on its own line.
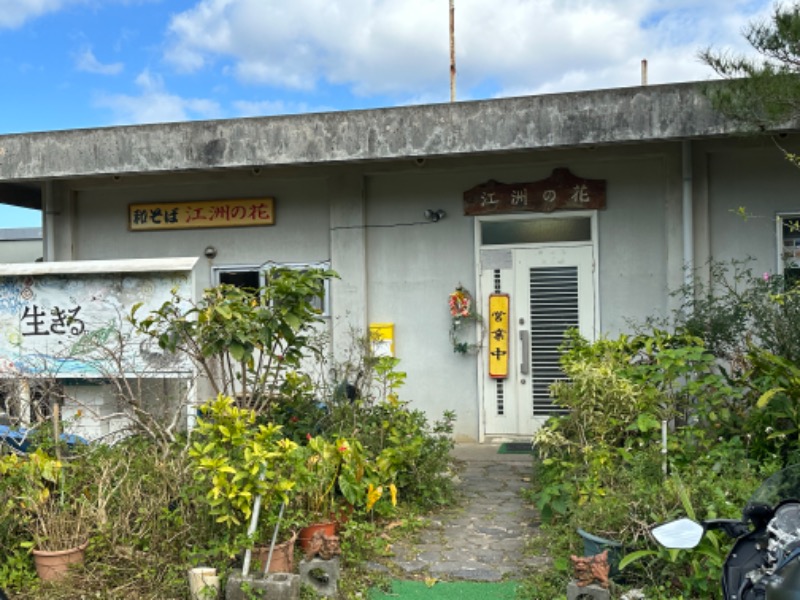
[275, 586]
[322, 575]
[576, 592]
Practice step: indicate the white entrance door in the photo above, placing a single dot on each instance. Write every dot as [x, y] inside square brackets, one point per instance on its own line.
[551, 290]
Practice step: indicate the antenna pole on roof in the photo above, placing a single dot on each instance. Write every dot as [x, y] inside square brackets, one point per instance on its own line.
[452, 51]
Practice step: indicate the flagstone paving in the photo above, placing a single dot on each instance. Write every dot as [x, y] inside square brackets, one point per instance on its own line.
[485, 537]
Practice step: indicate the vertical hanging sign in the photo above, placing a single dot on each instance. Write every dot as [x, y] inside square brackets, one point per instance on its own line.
[498, 335]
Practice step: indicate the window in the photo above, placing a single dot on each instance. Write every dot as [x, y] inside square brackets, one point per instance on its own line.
[537, 231]
[789, 247]
[243, 277]
[254, 276]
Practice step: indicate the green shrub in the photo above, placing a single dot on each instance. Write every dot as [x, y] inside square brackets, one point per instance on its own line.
[362, 402]
[737, 308]
[414, 450]
[244, 341]
[606, 452]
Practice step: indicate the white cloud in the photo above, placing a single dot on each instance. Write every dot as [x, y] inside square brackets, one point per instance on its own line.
[14, 13]
[369, 44]
[86, 61]
[155, 104]
[377, 47]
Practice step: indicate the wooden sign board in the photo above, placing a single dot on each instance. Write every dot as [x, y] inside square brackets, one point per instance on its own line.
[561, 191]
[202, 214]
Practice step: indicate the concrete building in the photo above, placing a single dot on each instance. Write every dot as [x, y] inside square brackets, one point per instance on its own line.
[647, 182]
[21, 245]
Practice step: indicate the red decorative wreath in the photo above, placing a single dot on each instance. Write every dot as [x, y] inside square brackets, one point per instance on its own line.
[460, 303]
[462, 316]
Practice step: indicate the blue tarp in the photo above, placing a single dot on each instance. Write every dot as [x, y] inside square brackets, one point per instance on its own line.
[20, 438]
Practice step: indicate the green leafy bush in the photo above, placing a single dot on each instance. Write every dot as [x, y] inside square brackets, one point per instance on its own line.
[606, 452]
[162, 504]
[413, 451]
[723, 373]
[244, 341]
[737, 308]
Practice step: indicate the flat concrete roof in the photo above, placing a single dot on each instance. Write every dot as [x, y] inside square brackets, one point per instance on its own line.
[614, 116]
[94, 267]
[20, 234]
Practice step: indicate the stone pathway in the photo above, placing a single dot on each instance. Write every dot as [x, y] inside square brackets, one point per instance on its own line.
[484, 539]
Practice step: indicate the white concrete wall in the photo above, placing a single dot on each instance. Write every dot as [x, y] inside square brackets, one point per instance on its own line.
[411, 271]
[637, 242]
[757, 179]
[356, 216]
[20, 251]
[300, 234]
[93, 411]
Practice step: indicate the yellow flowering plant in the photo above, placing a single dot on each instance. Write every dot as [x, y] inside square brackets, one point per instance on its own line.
[323, 460]
[339, 471]
[363, 481]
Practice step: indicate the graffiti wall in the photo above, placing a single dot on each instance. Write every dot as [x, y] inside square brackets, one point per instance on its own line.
[77, 325]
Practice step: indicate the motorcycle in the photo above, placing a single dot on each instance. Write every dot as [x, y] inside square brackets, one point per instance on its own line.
[763, 563]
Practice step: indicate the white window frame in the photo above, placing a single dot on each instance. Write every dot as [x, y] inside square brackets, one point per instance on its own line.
[300, 266]
[782, 258]
[218, 270]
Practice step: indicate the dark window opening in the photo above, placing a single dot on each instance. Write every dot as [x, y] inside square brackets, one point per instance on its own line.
[244, 279]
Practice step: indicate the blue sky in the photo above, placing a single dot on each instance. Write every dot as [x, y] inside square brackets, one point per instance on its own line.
[68, 64]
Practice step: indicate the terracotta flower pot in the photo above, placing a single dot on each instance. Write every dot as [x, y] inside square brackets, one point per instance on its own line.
[282, 557]
[53, 565]
[327, 528]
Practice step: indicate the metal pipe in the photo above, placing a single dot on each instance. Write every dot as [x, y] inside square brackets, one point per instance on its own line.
[688, 219]
[452, 51]
[248, 554]
[274, 539]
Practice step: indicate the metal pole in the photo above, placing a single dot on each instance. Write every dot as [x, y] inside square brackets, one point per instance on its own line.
[248, 554]
[688, 220]
[452, 51]
[274, 539]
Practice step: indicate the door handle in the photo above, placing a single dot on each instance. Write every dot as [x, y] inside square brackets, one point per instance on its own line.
[524, 342]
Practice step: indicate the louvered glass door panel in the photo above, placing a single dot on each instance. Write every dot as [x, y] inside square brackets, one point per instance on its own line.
[554, 308]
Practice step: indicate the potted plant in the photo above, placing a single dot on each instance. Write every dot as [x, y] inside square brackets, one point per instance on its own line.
[338, 478]
[319, 487]
[57, 520]
[62, 536]
[283, 528]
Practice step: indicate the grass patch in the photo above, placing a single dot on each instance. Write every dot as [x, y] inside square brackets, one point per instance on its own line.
[448, 590]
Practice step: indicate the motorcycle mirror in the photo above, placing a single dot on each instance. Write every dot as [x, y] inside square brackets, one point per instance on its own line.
[680, 535]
